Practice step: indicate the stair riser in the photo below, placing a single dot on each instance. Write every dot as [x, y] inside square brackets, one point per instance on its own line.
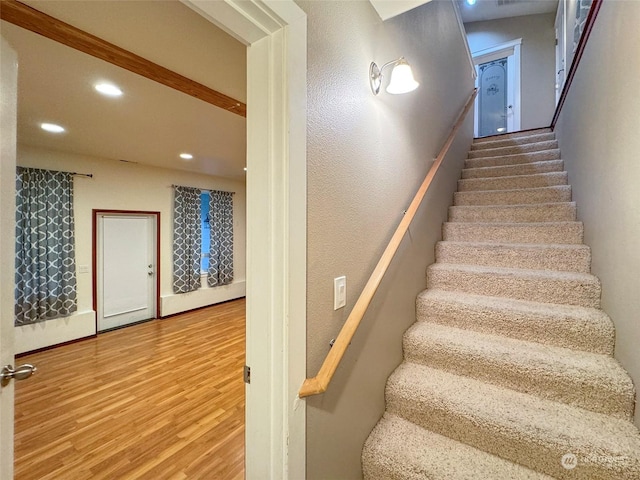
[439, 417]
[512, 159]
[511, 170]
[556, 329]
[547, 258]
[551, 212]
[515, 135]
[565, 233]
[396, 450]
[515, 149]
[543, 137]
[545, 381]
[513, 183]
[560, 193]
[544, 289]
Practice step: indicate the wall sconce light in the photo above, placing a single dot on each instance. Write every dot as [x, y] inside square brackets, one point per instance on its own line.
[402, 80]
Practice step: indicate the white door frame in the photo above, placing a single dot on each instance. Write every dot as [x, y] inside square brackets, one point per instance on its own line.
[511, 50]
[275, 32]
[9, 93]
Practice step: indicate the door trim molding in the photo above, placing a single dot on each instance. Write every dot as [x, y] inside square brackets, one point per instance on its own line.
[507, 49]
[94, 253]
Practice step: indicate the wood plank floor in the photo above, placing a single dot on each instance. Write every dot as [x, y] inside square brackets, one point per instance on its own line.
[159, 400]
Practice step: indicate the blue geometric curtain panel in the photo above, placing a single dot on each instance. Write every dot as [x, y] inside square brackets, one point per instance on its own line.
[186, 239]
[45, 246]
[221, 246]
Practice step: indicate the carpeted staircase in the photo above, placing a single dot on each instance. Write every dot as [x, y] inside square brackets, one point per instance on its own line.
[508, 372]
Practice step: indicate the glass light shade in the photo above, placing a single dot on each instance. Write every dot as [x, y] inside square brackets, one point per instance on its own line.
[402, 80]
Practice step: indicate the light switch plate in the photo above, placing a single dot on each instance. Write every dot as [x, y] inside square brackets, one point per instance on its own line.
[339, 292]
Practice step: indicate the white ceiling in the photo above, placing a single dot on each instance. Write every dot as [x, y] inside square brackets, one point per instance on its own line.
[494, 9]
[150, 124]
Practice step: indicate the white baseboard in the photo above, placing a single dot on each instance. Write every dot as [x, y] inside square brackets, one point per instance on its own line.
[83, 324]
[52, 332]
[177, 303]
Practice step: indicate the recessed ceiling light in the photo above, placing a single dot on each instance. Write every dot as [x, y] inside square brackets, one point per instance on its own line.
[51, 127]
[186, 156]
[471, 2]
[108, 89]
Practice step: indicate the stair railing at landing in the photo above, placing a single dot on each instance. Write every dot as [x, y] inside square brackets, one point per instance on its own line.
[320, 383]
[577, 56]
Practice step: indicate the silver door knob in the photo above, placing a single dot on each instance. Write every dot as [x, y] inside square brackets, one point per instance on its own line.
[19, 373]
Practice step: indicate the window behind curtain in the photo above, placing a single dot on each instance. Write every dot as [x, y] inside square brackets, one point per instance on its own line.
[206, 231]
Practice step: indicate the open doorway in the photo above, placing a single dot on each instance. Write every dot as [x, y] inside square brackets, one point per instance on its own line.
[117, 188]
[277, 164]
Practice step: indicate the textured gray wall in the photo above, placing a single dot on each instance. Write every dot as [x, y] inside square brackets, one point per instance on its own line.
[538, 57]
[366, 158]
[598, 134]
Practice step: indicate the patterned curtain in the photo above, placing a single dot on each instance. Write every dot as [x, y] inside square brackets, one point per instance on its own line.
[187, 243]
[45, 246]
[221, 247]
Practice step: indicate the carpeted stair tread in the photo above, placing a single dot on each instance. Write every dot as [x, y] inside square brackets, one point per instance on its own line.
[514, 159]
[399, 449]
[570, 258]
[544, 232]
[509, 372]
[518, 427]
[513, 149]
[507, 142]
[591, 381]
[540, 212]
[545, 286]
[546, 166]
[568, 326]
[513, 135]
[520, 196]
[513, 182]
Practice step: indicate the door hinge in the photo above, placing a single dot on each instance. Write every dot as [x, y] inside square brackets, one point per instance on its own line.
[247, 374]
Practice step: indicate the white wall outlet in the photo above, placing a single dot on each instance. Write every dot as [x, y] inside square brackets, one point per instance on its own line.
[83, 268]
[339, 292]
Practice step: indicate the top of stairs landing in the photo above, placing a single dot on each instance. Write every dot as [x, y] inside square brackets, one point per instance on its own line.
[520, 133]
[511, 139]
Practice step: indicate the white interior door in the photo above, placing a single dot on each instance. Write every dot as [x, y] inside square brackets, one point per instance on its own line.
[9, 96]
[497, 106]
[126, 262]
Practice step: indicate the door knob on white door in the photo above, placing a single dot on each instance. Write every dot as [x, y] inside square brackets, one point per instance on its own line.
[20, 373]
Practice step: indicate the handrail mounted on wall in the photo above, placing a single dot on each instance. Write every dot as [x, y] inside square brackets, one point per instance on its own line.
[319, 383]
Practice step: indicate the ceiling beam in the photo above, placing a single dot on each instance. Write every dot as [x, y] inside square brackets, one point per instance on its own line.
[31, 19]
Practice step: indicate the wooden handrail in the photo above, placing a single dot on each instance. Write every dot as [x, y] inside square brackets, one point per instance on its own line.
[319, 383]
